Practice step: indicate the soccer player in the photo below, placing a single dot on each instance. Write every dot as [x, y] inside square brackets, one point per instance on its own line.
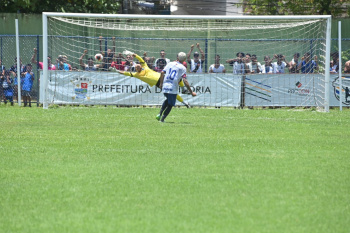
[170, 78]
[151, 77]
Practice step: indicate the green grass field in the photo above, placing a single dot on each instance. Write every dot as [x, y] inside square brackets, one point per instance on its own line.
[97, 169]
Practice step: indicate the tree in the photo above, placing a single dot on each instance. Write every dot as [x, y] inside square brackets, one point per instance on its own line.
[76, 6]
[336, 8]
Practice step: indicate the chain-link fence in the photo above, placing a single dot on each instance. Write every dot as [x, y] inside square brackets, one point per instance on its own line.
[8, 55]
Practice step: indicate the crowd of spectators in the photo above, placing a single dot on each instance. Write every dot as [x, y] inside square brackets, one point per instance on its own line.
[248, 64]
[9, 82]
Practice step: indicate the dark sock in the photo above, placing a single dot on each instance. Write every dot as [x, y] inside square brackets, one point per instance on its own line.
[164, 106]
[163, 118]
[166, 112]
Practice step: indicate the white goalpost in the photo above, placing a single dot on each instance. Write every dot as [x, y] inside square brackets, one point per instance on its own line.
[291, 68]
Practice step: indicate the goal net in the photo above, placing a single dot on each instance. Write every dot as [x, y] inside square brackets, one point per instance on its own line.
[267, 61]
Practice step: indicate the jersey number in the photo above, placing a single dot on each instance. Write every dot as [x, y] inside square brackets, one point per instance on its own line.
[171, 74]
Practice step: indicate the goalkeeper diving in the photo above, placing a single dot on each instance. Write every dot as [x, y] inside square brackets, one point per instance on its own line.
[151, 77]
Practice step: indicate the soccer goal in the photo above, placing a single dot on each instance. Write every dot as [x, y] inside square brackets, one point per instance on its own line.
[268, 60]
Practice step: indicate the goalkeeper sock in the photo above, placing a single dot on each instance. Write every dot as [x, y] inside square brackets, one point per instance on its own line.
[179, 98]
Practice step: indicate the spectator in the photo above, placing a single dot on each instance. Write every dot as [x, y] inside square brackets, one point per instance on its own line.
[161, 62]
[196, 63]
[13, 71]
[109, 52]
[347, 67]
[13, 68]
[247, 63]
[90, 63]
[65, 60]
[279, 66]
[294, 63]
[267, 67]
[2, 69]
[307, 65]
[217, 67]
[255, 65]
[41, 64]
[118, 64]
[332, 67]
[7, 86]
[61, 63]
[238, 63]
[108, 56]
[335, 57]
[2, 75]
[130, 64]
[149, 61]
[106, 63]
[27, 84]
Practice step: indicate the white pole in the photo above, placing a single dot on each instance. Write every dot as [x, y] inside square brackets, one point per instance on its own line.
[44, 80]
[327, 65]
[340, 73]
[126, 16]
[18, 65]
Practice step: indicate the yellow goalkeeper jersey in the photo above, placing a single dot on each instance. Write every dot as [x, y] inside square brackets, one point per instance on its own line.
[146, 75]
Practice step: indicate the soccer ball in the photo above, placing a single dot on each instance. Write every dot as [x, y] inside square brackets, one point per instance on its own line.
[181, 56]
[98, 57]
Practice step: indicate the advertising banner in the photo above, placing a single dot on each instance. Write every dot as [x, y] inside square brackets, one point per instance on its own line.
[213, 90]
[284, 90]
[72, 87]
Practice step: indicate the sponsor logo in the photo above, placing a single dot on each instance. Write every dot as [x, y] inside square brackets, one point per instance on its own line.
[80, 85]
[345, 90]
[298, 84]
[139, 89]
[298, 90]
[121, 88]
[199, 89]
[81, 90]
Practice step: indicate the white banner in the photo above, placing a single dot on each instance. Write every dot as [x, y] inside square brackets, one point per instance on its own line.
[113, 88]
[284, 90]
[293, 90]
[213, 89]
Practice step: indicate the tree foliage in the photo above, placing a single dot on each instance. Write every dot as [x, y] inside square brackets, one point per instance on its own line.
[336, 8]
[76, 6]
